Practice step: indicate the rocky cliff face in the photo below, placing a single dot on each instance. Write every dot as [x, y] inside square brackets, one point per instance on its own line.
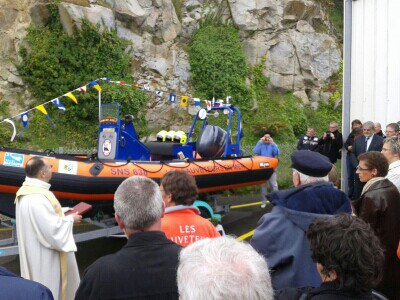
[298, 57]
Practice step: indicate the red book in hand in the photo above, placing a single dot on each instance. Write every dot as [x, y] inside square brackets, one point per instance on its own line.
[80, 208]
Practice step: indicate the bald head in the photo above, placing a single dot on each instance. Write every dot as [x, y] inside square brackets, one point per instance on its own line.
[378, 127]
[38, 168]
[33, 166]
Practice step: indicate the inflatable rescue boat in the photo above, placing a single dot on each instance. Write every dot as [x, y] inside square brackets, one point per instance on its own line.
[214, 160]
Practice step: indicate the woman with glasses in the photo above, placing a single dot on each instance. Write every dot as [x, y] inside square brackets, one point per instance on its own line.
[379, 205]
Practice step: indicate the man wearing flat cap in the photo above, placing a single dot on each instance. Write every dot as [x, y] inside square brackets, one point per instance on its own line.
[281, 234]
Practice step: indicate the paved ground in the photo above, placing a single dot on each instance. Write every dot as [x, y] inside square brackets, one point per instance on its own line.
[240, 222]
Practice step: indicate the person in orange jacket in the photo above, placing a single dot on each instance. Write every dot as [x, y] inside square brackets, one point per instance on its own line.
[182, 222]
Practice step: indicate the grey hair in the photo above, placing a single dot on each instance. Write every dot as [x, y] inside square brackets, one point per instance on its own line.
[305, 179]
[138, 202]
[394, 126]
[334, 123]
[369, 124]
[223, 268]
[394, 143]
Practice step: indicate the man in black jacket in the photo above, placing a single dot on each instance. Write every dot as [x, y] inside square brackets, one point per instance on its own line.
[145, 268]
[366, 143]
[308, 141]
[331, 143]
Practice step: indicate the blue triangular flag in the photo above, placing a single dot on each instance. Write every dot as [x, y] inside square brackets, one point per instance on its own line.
[172, 98]
[57, 102]
[93, 83]
[24, 120]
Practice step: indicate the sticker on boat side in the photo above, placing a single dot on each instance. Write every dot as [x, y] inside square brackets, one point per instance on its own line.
[264, 164]
[13, 159]
[107, 147]
[67, 167]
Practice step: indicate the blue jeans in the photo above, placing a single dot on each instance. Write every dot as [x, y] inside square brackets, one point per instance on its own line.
[273, 185]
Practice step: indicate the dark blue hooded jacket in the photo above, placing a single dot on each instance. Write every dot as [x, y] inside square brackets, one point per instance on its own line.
[17, 288]
[281, 234]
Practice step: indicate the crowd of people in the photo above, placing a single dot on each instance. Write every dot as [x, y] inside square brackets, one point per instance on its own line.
[316, 243]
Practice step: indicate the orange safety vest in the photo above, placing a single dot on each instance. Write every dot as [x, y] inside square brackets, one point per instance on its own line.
[185, 226]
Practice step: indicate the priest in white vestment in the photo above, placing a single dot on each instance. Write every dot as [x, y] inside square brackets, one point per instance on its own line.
[45, 238]
[391, 150]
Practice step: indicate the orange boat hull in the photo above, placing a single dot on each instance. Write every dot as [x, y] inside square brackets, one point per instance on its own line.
[79, 179]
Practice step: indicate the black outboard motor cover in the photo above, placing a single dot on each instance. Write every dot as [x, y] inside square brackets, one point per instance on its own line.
[211, 142]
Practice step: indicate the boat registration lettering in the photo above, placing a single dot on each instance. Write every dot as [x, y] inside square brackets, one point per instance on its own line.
[139, 172]
[120, 171]
[13, 159]
[264, 164]
[127, 172]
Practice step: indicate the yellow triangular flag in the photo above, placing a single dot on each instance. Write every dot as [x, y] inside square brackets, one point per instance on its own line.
[97, 87]
[41, 109]
[72, 97]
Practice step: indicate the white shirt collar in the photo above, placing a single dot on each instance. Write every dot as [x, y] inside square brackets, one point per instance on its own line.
[36, 182]
[394, 164]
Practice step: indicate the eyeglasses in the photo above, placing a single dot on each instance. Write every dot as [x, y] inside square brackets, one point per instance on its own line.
[362, 169]
[390, 131]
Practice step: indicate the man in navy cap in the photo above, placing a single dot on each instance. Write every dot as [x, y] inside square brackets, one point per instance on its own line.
[281, 235]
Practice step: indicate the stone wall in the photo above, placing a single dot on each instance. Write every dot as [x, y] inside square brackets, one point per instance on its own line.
[298, 57]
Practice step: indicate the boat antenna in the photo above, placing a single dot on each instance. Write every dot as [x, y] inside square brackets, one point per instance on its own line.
[99, 106]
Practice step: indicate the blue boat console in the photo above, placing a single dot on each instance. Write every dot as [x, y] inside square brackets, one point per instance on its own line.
[118, 140]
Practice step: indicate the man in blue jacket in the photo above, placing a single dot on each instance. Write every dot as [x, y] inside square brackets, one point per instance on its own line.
[281, 234]
[17, 288]
[266, 147]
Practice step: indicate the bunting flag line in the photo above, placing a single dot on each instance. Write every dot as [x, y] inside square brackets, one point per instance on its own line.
[57, 102]
[14, 129]
[24, 120]
[72, 97]
[172, 97]
[44, 111]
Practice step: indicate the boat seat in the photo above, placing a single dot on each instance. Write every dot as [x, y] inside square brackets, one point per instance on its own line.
[211, 142]
[162, 148]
